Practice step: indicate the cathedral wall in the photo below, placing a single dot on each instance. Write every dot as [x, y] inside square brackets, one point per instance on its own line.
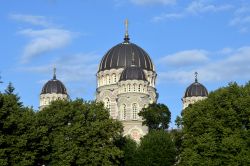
[46, 99]
[191, 100]
[108, 77]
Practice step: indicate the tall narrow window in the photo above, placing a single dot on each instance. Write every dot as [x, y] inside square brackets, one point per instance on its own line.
[139, 89]
[129, 88]
[103, 80]
[114, 78]
[134, 109]
[134, 87]
[108, 79]
[107, 104]
[124, 112]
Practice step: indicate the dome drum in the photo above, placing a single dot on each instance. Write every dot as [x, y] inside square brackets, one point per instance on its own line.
[133, 86]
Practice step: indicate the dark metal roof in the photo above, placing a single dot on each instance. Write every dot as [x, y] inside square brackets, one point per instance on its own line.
[196, 89]
[54, 86]
[133, 73]
[120, 56]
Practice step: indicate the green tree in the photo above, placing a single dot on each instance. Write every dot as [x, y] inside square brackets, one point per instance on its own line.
[129, 148]
[15, 122]
[156, 116]
[10, 89]
[156, 149]
[216, 130]
[77, 133]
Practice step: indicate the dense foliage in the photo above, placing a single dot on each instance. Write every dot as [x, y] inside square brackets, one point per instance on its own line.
[212, 132]
[15, 133]
[156, 116]
[216, 130]
[156, 149]
[65, 133]
[79, 133]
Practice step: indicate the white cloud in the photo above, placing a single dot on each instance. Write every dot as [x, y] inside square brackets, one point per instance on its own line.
[76, 71]
[241, 19]
[232, 66]
[186, 58]
[44, 40]
[149, 2]
[70, 68]
[194, 8]
[201, 7]
[31, 19]
[168, 16]
[47, 38]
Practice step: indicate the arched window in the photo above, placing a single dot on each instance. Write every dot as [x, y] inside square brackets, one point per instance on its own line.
[139, 89]
[107, 104]
[114, 78]
[124, 112]
[103, 80]
[108, 79]
[129, 88]
[134, 87]
[134, 110]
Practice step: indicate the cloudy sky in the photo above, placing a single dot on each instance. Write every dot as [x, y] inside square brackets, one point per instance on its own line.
[181, 36]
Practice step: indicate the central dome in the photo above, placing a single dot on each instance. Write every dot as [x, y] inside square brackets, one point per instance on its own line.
[120, 56]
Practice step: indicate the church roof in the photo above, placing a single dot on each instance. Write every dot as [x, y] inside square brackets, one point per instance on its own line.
[133, 73]
[120, 56]
[196, 89]
[54, 86]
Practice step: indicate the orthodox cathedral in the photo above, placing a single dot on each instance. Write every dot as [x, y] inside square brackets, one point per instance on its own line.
[126, 81]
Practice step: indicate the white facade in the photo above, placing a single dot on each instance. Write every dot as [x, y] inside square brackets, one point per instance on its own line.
[191, 100]
[125, 99]
[46, 99]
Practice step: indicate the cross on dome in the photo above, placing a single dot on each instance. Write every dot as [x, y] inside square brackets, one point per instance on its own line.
[126, 38]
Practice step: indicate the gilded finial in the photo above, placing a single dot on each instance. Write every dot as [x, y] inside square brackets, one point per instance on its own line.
[54, 70]
[196, 75]
[126, 27]
[126, 38]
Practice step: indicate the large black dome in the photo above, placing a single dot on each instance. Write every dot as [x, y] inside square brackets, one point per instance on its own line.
[196, 89]
[54, 86]
[120, 56]
[133, 73]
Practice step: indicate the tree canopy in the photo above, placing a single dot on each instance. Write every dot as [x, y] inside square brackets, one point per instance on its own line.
[156, 116]
[216, 130]
[15, 122]
[64, 133]
[155, 149]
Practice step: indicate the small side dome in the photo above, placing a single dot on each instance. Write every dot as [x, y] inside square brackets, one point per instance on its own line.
[196, 89]
[54, 86]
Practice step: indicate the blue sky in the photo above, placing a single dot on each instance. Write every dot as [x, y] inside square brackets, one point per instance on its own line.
[181, 36]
